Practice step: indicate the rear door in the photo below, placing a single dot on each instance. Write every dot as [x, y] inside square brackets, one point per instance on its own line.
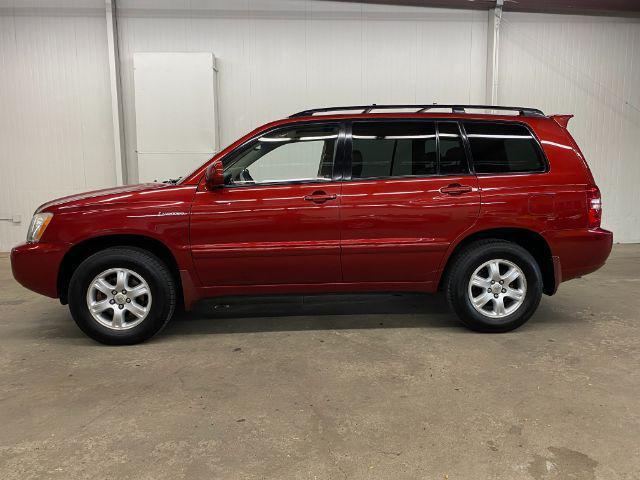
[276, 219]
[408, 193]
[511, 169]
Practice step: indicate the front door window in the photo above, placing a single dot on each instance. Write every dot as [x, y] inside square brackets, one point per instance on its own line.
[297, 154]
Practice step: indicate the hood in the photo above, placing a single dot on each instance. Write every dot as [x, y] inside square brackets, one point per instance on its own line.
[100, 196]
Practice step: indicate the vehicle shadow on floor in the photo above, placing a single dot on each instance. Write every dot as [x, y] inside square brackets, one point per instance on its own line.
[317, 312]
[332, 312]
[305, 313]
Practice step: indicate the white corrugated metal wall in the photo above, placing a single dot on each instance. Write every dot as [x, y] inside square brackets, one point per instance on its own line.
[590, 67]
[276, 57]
[279, 56]
[56, 134]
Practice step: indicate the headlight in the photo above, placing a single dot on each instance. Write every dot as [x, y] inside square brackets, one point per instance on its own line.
[39, 224]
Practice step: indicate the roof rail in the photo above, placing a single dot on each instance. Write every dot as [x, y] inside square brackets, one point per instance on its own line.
[458, 108]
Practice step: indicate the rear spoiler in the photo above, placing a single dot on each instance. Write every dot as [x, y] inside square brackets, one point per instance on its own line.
[562, 120]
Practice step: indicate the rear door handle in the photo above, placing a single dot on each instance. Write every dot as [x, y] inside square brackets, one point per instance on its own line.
[456, 189]
[320, 197]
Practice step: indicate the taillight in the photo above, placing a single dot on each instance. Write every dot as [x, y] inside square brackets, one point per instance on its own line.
[594, 207]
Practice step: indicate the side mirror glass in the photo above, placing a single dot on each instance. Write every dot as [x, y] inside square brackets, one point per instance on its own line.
[214, 176]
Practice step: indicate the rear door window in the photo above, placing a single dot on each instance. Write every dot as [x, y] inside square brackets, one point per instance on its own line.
[410, 148]
[503, 148]
[393, 149]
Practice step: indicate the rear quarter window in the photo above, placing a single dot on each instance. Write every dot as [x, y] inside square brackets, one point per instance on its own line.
[503, 148]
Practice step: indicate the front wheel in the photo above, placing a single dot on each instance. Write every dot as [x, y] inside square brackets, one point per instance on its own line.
[122, 296]
[494, 286]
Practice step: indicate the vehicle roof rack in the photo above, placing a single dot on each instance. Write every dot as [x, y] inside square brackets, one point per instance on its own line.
[457, 108]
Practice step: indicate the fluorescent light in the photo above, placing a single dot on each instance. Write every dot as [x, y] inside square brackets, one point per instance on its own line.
[482, 135]
[321, 137]
[408, 137]
[274, 139]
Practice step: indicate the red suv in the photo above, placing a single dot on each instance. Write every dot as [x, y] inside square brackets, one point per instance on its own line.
[493, 209]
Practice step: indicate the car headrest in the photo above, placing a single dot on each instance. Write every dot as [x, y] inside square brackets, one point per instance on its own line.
[451, 160]
[425, 164]
[454, 154]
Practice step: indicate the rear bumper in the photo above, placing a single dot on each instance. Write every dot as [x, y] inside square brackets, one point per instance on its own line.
[578, 252]
[36, 266]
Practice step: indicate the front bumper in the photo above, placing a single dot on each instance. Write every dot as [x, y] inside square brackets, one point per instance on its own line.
[36, 266]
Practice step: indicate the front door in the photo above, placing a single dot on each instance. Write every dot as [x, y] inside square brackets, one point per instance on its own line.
[409, 195]
[276, 219]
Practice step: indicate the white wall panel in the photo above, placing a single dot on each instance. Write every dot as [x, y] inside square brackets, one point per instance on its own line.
[176, 121]
[55, 118]
[590, 67]
[276, 57]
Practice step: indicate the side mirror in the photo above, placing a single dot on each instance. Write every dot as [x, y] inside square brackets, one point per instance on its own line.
[214, 176]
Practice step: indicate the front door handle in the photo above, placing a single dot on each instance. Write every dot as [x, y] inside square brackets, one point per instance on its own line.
[456, 189]
[320, 197]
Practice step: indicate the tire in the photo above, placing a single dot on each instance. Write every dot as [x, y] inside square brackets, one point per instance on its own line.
[519, 298]
[128, 318]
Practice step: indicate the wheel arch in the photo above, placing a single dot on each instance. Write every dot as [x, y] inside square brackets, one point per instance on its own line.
[83, 250]
[530, 240]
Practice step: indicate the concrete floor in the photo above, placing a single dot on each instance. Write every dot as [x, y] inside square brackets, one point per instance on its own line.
[330, 387]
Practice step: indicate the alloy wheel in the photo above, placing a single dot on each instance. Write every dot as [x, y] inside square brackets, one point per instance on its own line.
[119, 298]
[497, 288]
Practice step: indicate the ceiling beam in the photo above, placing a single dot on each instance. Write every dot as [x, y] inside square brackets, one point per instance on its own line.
[623, 8]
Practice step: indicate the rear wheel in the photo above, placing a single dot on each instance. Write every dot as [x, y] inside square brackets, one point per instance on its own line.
[494, 286]
[122, 296]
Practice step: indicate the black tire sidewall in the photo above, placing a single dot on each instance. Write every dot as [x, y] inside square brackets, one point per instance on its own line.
[469, 262]
[143, 263]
